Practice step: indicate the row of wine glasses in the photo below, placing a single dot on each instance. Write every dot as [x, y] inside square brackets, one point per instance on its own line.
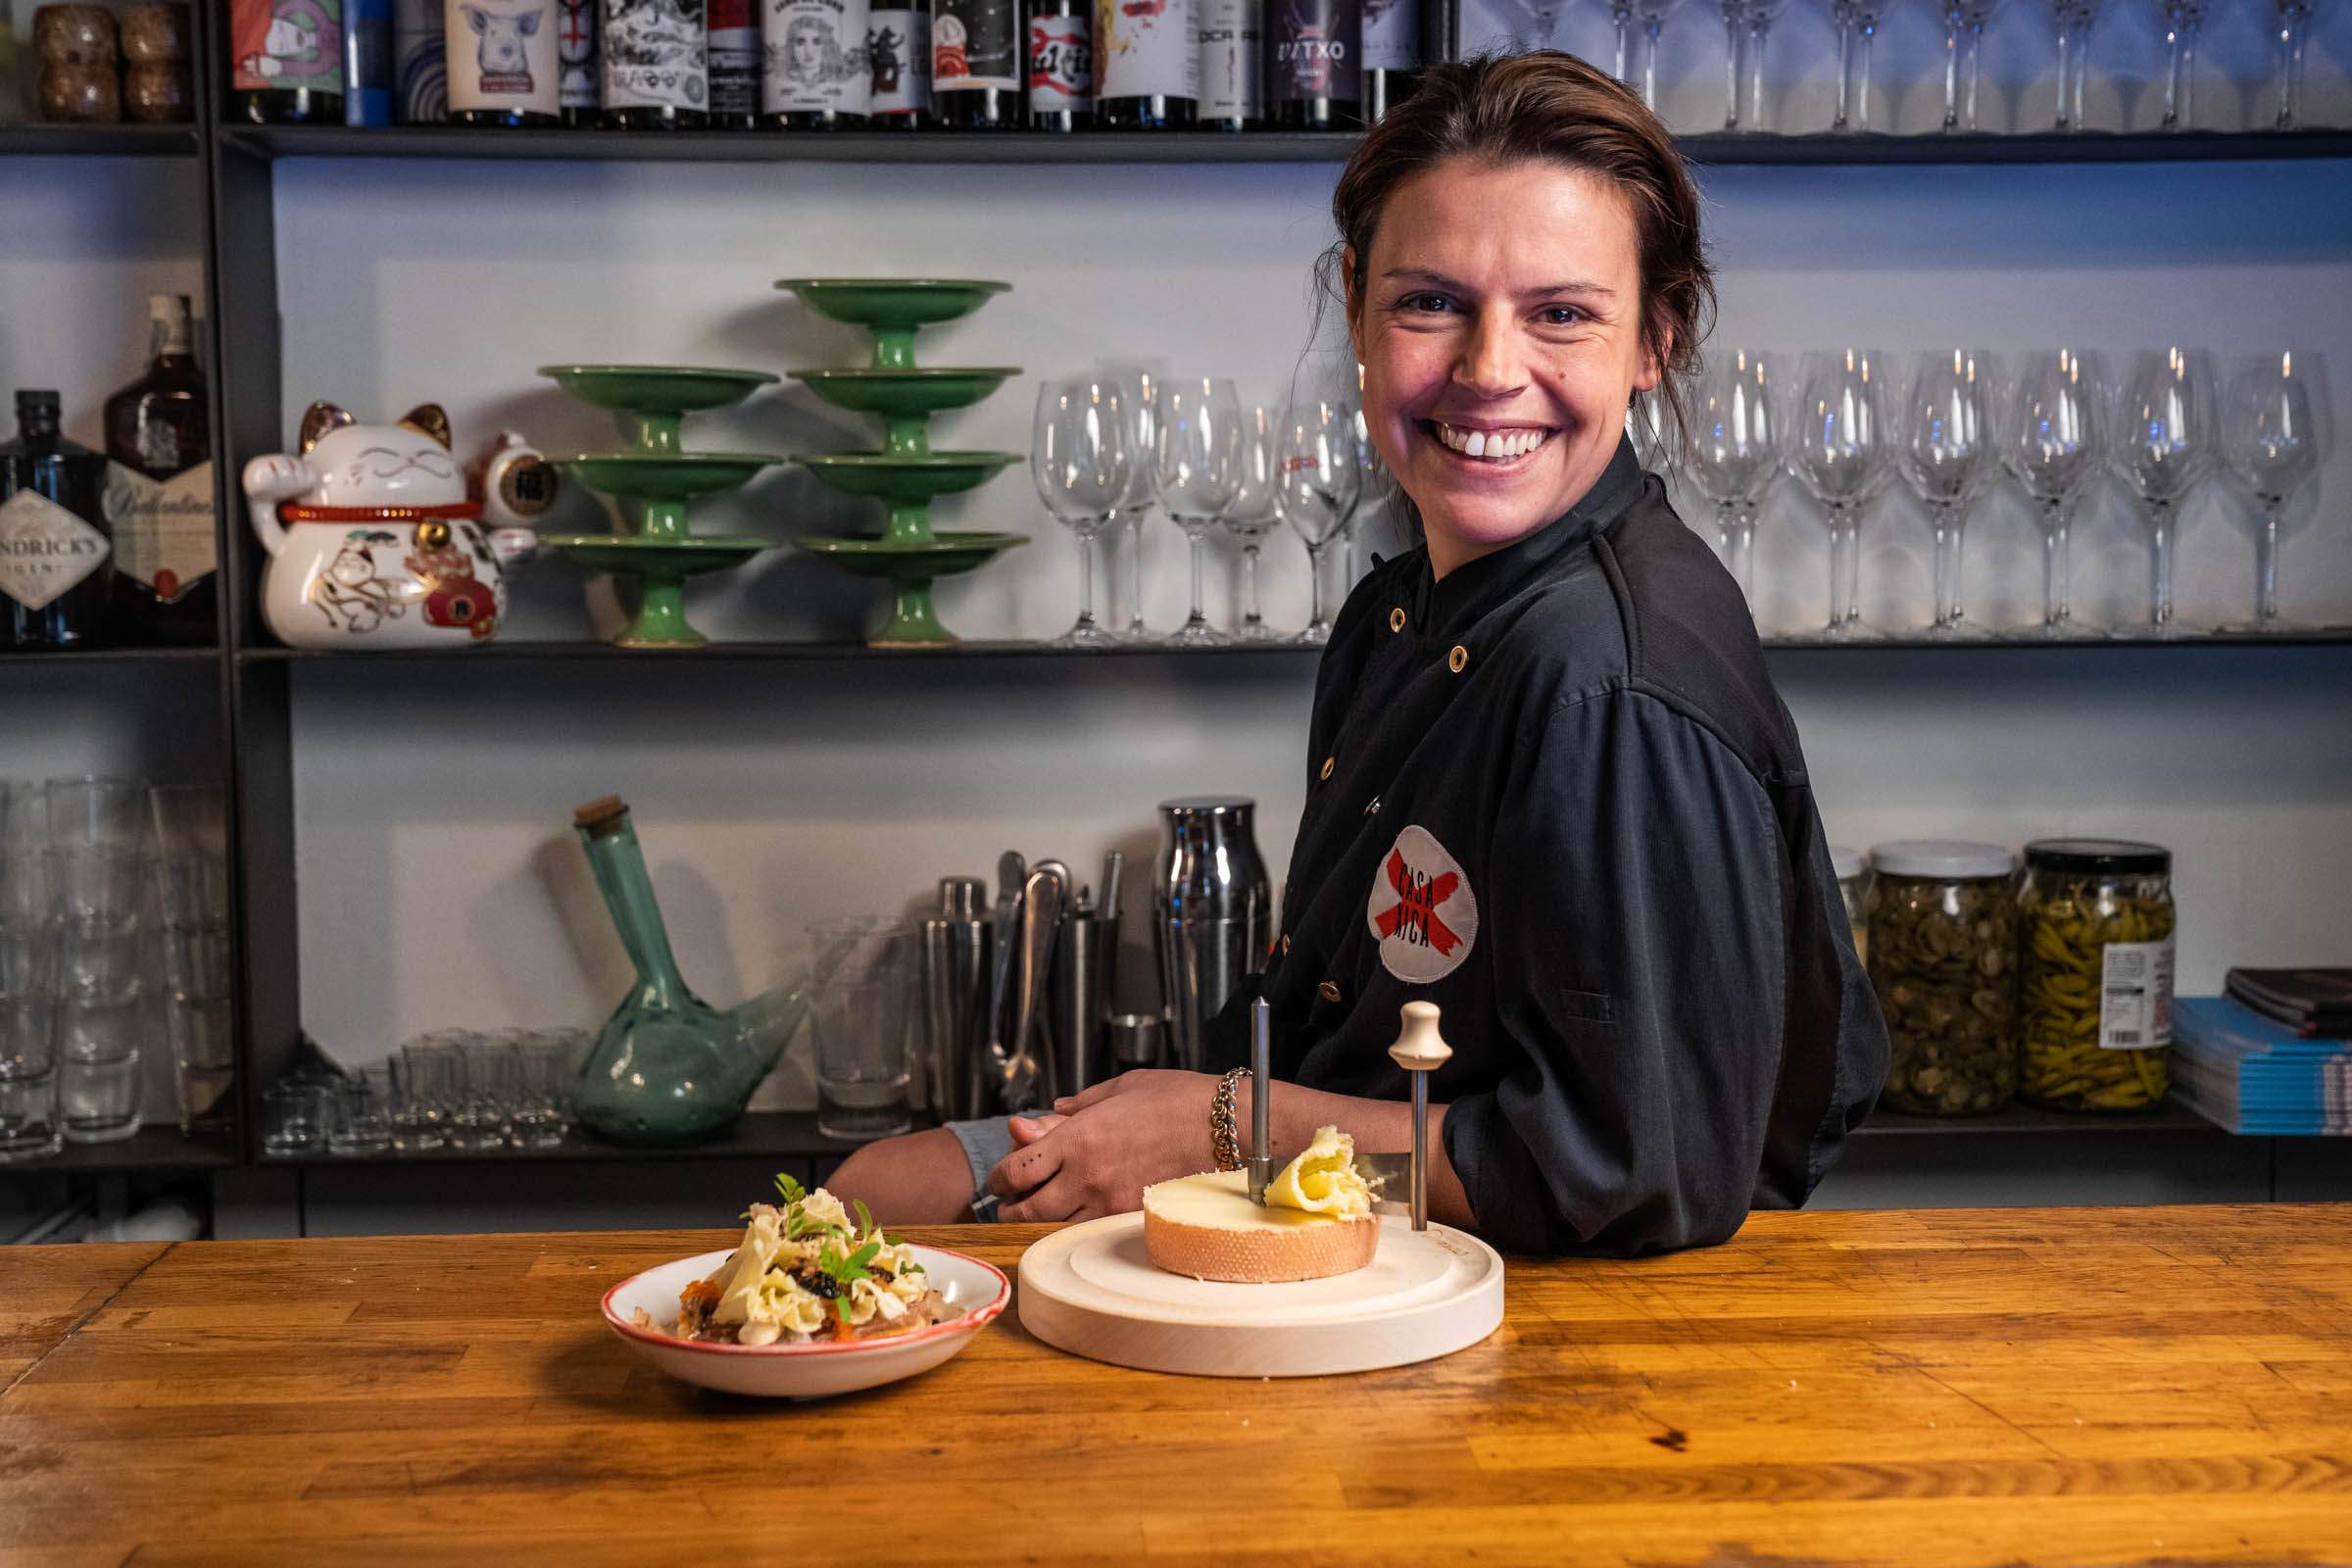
[1747, 23]
[1106, 447]
[1844, 427]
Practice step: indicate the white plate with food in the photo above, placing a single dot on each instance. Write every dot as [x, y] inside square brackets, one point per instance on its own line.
[811, 1302]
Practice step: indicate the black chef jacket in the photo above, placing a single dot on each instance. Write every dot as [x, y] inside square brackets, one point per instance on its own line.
[1557, 795]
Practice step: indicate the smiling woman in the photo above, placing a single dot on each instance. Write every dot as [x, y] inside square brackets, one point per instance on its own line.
[1549, 785]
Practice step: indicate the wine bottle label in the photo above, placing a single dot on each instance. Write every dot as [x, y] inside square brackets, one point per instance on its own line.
[1061, 63]
[163, 533]
[286, 44]
[420, 85]
[44, 549]
[1146, 49]
[816, 57]
[502, 55]
[575, 55]
[1316, 51]
[653, 55]
[1392, 35]
[734, 57]
[897, 58]
[974, 44]
[1232, 67]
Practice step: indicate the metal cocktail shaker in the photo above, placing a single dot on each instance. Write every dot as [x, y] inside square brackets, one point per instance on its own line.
[1211, 913]
[956, 947]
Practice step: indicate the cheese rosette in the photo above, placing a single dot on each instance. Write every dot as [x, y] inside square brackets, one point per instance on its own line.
[1323, 1179]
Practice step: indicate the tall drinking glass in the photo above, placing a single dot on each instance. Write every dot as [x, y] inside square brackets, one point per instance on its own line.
[2164, 444]
[1857, 21]
[2273, 429]
[864, 974]
[2052, 444]
[1252, 515]
[1319, 486]
[28, 1124]
[1196, 474]
[1079, 457]
[1841, 449]
[1949, 457]
[1736, 449]
[191, 875]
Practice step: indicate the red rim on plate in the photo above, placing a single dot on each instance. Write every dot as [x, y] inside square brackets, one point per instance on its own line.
[978, 1318]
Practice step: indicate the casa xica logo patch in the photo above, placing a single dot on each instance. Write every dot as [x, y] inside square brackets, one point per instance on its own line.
[1422, 910]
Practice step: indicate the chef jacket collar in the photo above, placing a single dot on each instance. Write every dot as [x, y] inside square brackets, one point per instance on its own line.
[1440, 606]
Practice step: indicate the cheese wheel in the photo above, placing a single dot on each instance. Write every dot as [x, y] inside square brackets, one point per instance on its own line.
[1206, 1227]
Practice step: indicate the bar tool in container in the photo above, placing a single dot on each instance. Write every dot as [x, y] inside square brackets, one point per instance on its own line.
[1211, 913]
[954, 964]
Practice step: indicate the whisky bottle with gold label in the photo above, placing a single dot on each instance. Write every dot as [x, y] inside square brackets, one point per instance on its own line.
[158, 492]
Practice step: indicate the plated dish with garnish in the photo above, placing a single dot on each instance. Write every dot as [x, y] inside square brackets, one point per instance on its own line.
[813, 1300]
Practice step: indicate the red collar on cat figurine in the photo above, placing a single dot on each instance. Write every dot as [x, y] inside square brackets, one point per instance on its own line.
[458, 510]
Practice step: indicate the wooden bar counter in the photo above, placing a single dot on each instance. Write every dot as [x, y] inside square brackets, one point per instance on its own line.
[2107, 1385]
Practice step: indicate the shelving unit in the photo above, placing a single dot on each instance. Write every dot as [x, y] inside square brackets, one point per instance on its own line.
[255, 678]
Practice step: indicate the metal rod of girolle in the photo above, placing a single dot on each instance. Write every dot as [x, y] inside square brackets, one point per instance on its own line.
[1420, 1150]
[1420, 1050]
[1261, 1073]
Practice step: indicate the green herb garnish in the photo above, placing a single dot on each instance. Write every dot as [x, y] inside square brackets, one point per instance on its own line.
[793, 1192]
[866, 1220]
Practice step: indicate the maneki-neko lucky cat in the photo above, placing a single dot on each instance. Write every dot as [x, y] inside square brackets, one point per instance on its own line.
[377, 535]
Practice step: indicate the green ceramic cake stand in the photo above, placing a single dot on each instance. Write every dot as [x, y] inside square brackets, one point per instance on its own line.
[649, 402]
[892, 307]
[658, 569]
[907, 475]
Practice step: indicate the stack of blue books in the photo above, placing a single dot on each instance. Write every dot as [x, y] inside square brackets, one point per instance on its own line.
[2250, 1073]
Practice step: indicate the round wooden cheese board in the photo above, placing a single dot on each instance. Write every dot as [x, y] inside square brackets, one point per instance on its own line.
[1093, 1291]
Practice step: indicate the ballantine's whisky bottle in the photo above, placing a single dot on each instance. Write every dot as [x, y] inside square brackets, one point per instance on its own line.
[158, 492]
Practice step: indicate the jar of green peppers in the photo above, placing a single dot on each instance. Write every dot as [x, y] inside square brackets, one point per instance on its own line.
[2095, 961]
[1943, 961]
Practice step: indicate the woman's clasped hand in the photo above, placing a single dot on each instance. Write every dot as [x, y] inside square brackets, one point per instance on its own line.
[1097, 1152]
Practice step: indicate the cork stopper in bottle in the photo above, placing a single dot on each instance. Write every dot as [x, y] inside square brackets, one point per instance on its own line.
[601, 817]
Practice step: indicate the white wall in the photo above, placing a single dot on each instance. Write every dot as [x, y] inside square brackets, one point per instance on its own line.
[439, 881]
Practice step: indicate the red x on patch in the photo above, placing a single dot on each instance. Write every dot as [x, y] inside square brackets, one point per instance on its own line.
[1415, 912]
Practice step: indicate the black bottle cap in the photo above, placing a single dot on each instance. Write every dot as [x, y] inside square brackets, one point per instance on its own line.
[40, 400]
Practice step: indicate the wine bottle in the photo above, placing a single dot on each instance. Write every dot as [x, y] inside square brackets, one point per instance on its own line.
[1314, 63]
[158, 492]
[815, 76]
[1231, 65]
[735, 66]
[1061, 66]
[897, 58]
[577, 98]
[502, 62]
[1146, 65]
[655, 65]
[1393, 55]
[286, 62]
[975, 63]
[56, 553]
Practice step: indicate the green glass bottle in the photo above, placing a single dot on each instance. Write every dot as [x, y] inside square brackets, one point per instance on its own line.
[667, 1067]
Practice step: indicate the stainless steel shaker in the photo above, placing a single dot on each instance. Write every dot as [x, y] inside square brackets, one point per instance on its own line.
[955, 949]
[1211, 913]
[1079, 1002]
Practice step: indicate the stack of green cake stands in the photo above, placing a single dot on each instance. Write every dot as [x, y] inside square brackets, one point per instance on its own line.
[653, 482]
[907, 474]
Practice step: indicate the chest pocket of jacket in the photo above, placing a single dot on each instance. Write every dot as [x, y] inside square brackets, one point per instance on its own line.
[1593, 1006]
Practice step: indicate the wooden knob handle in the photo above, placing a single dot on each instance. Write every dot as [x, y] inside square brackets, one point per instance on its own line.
[1420, 1048]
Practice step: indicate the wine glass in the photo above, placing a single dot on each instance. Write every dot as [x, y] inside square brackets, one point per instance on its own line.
[1371, 497]
[2183, 20]
[1736, 451]
[2272, 433]
[2073, 20]
[1138, 386]
[1963, 48]
[1539, 18]
[1948, 457]
[1839, 450]
[1196, 429]
[2165, 440]
[1653, 15]
[2294, 21]
[1079, 458]
[2054, 443]
[1750, 20]
[1252, 514]
[1319, 484]
[1853, 18]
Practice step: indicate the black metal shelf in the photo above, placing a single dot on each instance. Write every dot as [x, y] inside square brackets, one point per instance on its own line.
[98, 141]
[62, 658]
[2167, 1116]
[156, 1146]
[761, 1135]
[1213, 147]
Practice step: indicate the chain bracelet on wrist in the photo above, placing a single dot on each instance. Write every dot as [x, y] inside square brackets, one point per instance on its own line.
[1224, 1133]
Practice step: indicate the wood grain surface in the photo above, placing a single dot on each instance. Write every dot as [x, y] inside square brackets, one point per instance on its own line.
[2108, 1386]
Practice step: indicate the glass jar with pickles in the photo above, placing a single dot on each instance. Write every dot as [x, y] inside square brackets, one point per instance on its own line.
[1943, 961]
[2095, 962]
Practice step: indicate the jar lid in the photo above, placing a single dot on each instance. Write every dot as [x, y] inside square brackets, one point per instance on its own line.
[1845, 863]
[2120, 856]
[1942, 860]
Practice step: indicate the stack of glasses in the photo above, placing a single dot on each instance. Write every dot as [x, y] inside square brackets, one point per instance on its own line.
[445, 1090]
[191, 876]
